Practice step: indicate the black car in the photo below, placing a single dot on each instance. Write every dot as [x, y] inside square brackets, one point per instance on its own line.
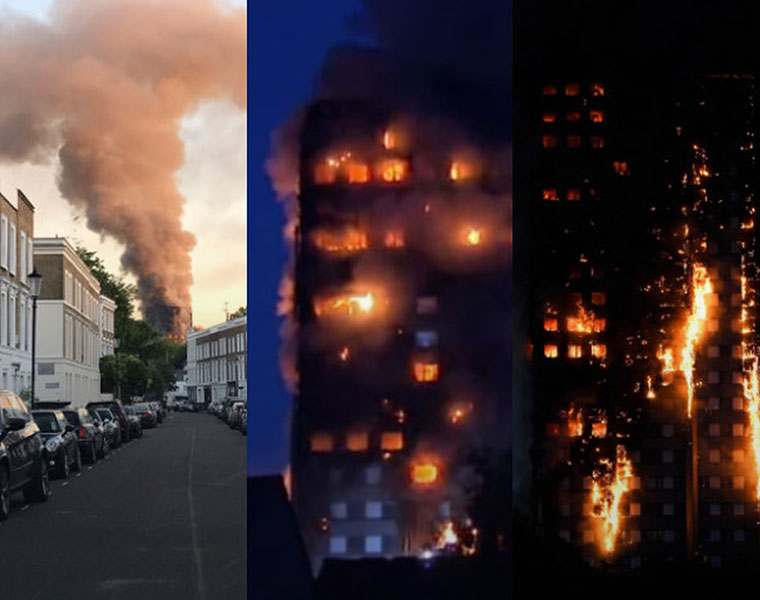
[117, 409]
[148, 417]
[92, 441]
[111, 425]
[61, 446]
[22, 456]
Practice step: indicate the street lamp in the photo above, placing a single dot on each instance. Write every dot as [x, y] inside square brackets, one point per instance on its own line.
[35, 284]
[118, 373]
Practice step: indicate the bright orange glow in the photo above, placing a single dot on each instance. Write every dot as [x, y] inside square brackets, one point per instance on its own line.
[394, 239]
[610, 483]
[599, 429]
[391, 139]
[344, 354]
[573, 116]
[473, 236]
[393, 170]
[650, 391]
[549, 117]
[357, 172]
[596, 116]
[324, 173]
[752, 401]
[348, 240]
[321, 442]
[597, 89]
[575, 422]
[621, 168]
[425, 473]
[598, 298]
[462, 170]
[551, 351]
[574, 351]
[583, 322]
[446, 536]
[400, 416]
[392, 440]
[357, 441]
[599, 324]
[598, 350]
[458, 412]
[573, 194]
[343, 164]
[549, 141]
[425, 372]
[597, 141]
[549, 90]
[551, 324]
[695, 326]
[550, 194]
[668, 364]
[572, 89]
[349, 305]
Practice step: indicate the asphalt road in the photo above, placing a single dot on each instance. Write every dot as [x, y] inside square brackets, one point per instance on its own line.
[162, 517]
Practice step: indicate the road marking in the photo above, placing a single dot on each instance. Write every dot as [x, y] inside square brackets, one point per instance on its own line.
[193, 526]
[64, 483]
[25, 506]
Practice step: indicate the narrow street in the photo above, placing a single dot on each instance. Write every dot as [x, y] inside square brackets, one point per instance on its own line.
[160, 517]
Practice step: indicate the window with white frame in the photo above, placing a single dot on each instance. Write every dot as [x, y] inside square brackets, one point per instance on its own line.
[12, 249]
[30, 255]
[12, 322]
[4, 242]
[4, 318]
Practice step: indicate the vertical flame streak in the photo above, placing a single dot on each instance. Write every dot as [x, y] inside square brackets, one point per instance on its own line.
[607, 493]
[701, 287]
[752, 396]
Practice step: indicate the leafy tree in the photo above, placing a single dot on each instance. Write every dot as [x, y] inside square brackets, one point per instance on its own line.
[124, 375]
[240, 312]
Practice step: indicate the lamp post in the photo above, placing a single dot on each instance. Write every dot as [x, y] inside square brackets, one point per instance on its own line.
[35, 284]
[118, 364]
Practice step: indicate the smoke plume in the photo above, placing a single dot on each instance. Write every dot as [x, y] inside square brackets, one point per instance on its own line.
[105, 84]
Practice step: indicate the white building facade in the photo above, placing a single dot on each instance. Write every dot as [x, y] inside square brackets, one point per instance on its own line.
[106, 327]
[217, 362]
[69, 331]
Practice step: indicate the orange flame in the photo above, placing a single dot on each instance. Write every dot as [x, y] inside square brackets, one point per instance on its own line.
[349, 240]
[752, 396]
[446, 536]
[348, 304]
[583, 322]
[701, 287]
[610, 483]
[575, 422]
[650, 391]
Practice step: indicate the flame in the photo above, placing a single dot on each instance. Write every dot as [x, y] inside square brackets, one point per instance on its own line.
[348, 240]
[666, 356]
[446, 536]
[599, 429]
[575, 422]
[610, 483]
[348, 304]
[425, 372]
[424, 473]
[393, 169]
[462, 170]
[344, 354]
[473, 236]
[701, 287]
[650, 391]
[752, 396]
[583, 322]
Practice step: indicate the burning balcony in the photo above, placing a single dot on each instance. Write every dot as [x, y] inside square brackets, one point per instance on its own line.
[344, 167]
[596, 89]
[346, 241]
[352, 306]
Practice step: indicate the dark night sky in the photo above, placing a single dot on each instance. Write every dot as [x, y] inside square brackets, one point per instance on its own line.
[287, 44]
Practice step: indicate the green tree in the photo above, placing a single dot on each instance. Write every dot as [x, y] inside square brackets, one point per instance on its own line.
[240, 312]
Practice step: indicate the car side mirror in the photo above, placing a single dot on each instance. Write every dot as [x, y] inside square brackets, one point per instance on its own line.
[69, 428]
[15, 424]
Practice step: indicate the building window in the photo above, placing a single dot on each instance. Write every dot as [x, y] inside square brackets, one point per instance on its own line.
[572, 89]
[551, 351]
[596, 116]
[737, 456]
[549, 117]
[739, 535]
[338, 544]
[597, 141]
[621, 168]
[550, 194]
[714, 483]
[393, 170]
[573, 194]
[373, 544]
[573, 141]
[737, 429]
[373, 475]
[598, 298]
[551, 324]
[713, 429]
[714, 456]
[339, 510]
[667, 456]
[4, 242]
[426, 372]
[549, 140]
[394, 239]
[737, 403]
[739, 509]
[549, 90]
[596, 89]
[715, 535]
[713, 403]
[357, 172]
[12, 249]
[427, 305]
[713, 377]
[600, 325]
[321, 442]
[738, 482]
[573, 116]
[357, 441]
[552, 429]
[635, 509]
[392, 440]
[668, 509]
[574, 351]
[598, 350]
[373, 510]
[668, 483]
[426, 338]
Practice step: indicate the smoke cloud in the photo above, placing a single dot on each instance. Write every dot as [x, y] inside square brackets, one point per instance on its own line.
[104, 85]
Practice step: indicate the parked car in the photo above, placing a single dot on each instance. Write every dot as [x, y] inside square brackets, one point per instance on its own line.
[117, 409]
[148, 417]
[22, 458]
[111, 425]
[93, 443]
[157, 409]
[61, 445]
[244, 421]
[134, 423]
[233, 418]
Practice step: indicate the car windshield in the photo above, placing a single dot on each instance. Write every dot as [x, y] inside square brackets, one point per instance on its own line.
[47, 422]
[72, 417]
[104, 414]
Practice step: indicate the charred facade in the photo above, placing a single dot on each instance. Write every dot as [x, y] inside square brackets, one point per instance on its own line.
[401, 307]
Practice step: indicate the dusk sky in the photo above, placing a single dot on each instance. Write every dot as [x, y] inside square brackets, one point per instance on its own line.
[212, 181]
[286, 45]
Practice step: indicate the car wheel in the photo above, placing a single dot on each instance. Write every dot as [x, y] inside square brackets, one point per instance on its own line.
[63, 469]
[78, 460]
[5, 494]
[39, 491]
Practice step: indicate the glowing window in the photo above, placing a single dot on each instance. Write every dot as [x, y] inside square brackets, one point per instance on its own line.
[598, 298]
[462, 170]
[596, 89]
[551, 351]
[321, 442]
[573, 141]
[549, 141]
[596, 116]
[621, 168]
[424, 473]
[393, 170]
[573, 194]
[549, 90]
[599, 429]
[551, 324]
[392, 440]
[572, 89]
[425, 372]
[737, 429]
[574, 351]
[550, 194]
[357, 441]
[598, 350]
[600, 325]
[573, 116]
[394, 239]
[549, 117]
[324, 173]
[597, 141]
[357, 172]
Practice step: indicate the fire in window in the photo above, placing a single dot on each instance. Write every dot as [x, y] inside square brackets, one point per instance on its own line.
[393, 138]
[357, 172]
[549, 90]
[551, 351]
[357, 441]
[473, 236]
[551, 324]
[461, 170]
[574, 351]
[321, 442]
[598, 298]
[573, 116]
[599, 429]
[596, 89]
[394, 239]
[549, 141]
[549, 117]
[600, 325]
[597, 141]
[550, 194]
[621, 168]
[347, 304]
[392, 440]
[572, 89]
[458, 412]
[599, 350]
[573, 141]
[348, 240]
[426, 372]
[325, 173]
[573, 194]
[596, 116]
[424, 473]
[393, 170]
